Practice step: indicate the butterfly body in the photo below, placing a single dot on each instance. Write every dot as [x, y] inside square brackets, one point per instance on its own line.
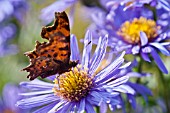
[52, 57]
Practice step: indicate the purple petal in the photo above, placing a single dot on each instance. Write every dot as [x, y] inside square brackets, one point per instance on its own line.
[36, 101]
[45, 109]
[136, 74]
[113, 74]
[58, 105]
[124, 89]
[161, 37]
[99, 54]
[93, 101]
[37, 85]
[135, 50]
[8, 97]
[117, 82]
[145, 57]
[36, 93]
[103, 108]
[144, 91]
[65, 108]
[140, 88]
[87, 49]
[71, 15]
[165, 43]
[165, 4]
[52, 77]
[89, 108]
[132, 100]
[75, 54]
[96, 96]
[143, 38]
[125, 65]
[81, 107]
[110, 68]
[147, 49]
[161, 48]
[159, 62]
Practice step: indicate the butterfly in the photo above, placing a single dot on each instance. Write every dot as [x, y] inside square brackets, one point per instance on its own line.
[52, 57]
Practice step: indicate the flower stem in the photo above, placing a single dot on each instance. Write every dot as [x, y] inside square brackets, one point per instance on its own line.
[97, 109]
[153, 9]
[165, 91]
[139, 70]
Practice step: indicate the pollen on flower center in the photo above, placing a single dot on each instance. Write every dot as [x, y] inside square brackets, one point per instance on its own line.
[130, 31]
[73, 85]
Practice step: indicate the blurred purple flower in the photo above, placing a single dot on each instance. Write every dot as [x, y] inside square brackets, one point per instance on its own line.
[83, 87]
[61, 5]
[138, 31]
[11, 12]
[9, 99]
[6, 33]
[12, 8]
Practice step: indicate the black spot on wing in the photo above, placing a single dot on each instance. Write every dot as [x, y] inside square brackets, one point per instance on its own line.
[64, 48]
[58, 61]
[55, 55]
[64, 54]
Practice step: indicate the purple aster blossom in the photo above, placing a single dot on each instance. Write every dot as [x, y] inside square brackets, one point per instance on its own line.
[12, 8]
[9, 99]
[9, 11]
[88, 88]
[6, 34]
[58, 6]
[152, 32]
[61, 5]
[140, 3]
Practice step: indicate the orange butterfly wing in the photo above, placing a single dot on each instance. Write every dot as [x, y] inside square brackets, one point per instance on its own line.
[52, 57]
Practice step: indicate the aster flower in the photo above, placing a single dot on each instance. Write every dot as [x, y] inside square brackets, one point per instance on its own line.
[140, 3]
[58, 6]
[10, 8]
[61, 5]
[10, 11]
[139, 33]
[81, 88]
[8, 101]
[6, 34]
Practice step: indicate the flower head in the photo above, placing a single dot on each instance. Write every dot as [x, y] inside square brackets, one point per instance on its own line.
[8, 102]
[58, 6]
[9, 11]
[61, 5]
[81, 88]
[140, 33]
[73, 85]
[129, 31]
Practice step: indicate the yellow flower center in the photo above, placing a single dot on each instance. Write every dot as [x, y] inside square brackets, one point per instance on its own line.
[73, 85]
[130, 31]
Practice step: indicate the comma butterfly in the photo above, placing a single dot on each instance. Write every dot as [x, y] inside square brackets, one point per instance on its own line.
[49, 58]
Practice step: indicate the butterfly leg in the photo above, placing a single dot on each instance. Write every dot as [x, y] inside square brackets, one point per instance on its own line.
[58, 81]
